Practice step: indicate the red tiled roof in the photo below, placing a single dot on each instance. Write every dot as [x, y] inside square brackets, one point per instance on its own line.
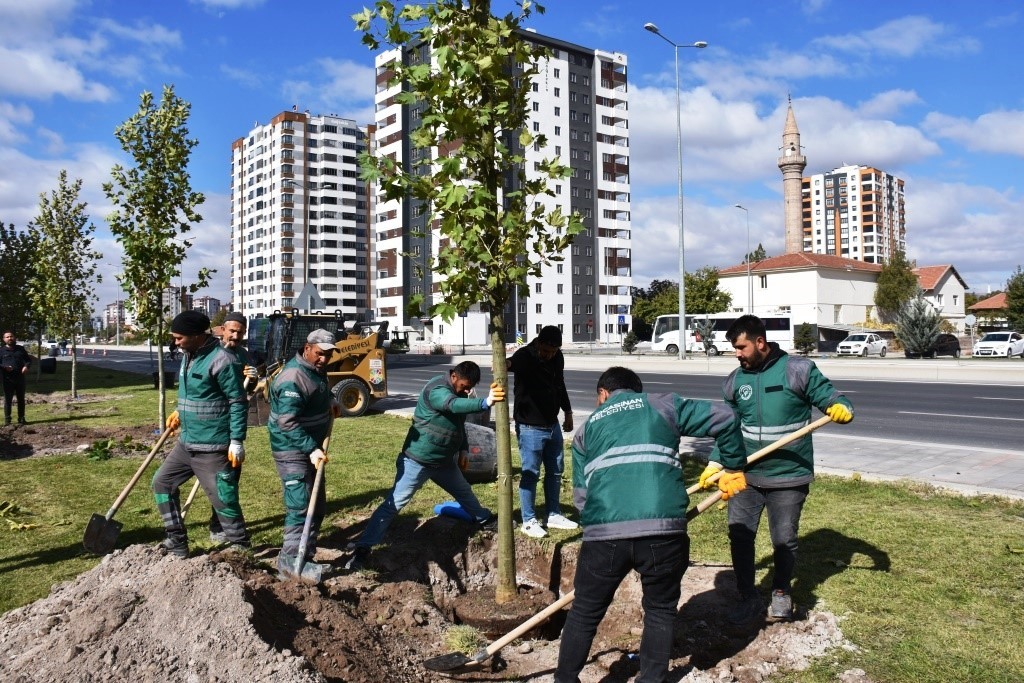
[993, 303]
[802, 261]
[930, 276]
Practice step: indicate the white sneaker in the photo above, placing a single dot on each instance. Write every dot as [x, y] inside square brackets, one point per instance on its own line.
[557, 521]
[533, 529]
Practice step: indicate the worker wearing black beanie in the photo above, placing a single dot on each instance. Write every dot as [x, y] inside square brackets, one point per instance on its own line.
[190, 323]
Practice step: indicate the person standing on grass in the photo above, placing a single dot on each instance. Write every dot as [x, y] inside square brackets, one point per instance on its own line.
[627, 480]
[302, 409]
[772, 392]
[539, 393]
[14, 363]
[231, 334]
[212, 417]
[436, 441]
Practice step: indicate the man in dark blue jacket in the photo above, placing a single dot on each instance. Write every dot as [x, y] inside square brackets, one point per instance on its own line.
[14, 362]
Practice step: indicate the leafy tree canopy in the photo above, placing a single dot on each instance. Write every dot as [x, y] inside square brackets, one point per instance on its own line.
[896, 285]
[17, 269]
[1015, 300]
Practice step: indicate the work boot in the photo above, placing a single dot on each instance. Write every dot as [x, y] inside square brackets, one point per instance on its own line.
[22, 421]
[782, 606]
[489, 524]
[749, 609]
[359, 559]
[7, 421]
[218, 537]
[174, 547]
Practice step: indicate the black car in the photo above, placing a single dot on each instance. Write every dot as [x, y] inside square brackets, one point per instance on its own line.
[945, 345]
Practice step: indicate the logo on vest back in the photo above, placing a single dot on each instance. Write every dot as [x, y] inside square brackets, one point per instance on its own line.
[746, 391]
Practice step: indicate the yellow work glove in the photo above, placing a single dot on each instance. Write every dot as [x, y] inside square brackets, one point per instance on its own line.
[463, 460]
[839, 413]
[173, 421]
[711, 470]
[731, 483]
[495, 395]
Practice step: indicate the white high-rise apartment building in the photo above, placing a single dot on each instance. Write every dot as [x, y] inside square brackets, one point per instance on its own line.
[856, 212]
[299, 216]
[580, 101]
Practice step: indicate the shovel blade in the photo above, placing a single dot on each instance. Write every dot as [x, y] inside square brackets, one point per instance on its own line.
[448, 662]
[101, 535]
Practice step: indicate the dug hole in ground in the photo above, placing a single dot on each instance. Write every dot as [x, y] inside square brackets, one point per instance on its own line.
[143, 616]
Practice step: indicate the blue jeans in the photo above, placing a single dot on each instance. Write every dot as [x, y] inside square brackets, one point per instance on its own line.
[661, 562]
[410, 476]
[537, 446]
[784, 507]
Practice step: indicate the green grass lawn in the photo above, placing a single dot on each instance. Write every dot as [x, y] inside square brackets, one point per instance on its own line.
[928, 585]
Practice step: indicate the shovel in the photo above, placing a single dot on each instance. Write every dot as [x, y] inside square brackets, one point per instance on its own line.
[102, 531]
[314, 575]
[457, 660]
[757, 455]
[188, 501]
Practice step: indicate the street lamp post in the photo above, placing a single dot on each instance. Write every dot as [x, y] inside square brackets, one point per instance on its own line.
[750, 283]
[679, 153]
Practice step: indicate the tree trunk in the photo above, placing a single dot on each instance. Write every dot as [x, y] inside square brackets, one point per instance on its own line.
[162, 399]
[505, 590]
[74, 368]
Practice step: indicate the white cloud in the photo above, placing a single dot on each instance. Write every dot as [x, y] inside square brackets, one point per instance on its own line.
[888, 103]
[903, 37]
[249, 79]
[13, 119]
[340, 86]
[228, 4]
[998, 131]
[29, 73]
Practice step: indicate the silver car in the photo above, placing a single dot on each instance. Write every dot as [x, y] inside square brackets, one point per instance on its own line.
[863, 344]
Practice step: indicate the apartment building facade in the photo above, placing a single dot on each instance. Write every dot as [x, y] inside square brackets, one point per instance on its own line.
[579, 101]
[299, 216]
[856, 212]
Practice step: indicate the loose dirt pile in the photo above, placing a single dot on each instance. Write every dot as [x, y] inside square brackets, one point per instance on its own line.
[143, 616]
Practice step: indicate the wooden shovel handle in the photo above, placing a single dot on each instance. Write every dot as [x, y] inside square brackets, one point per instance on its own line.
[530, 623]
[138, 474]
[757, 455]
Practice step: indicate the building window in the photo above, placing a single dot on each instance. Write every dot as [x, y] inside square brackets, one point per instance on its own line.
[764, 281]
[538, 288]
[540, 308]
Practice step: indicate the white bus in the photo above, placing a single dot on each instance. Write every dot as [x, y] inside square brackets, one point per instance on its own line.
[666, 332]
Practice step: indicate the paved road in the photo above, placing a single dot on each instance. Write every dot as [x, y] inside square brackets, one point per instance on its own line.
[954, 424]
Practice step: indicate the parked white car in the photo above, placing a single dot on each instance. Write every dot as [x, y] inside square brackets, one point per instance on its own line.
[863, 344]
[1004, 344]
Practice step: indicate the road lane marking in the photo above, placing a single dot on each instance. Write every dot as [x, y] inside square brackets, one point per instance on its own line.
[970, 417]
[996, 398]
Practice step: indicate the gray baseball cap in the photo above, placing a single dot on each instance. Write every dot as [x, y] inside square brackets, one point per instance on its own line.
[322, 338]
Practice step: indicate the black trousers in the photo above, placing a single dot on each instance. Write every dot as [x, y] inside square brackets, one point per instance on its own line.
[14, 386]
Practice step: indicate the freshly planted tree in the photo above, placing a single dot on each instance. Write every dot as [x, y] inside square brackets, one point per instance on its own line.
[1015, 300]
[705, 329]
[917, 325]
[17, 269]
[897, 285]
[493, 230]
[154, 206]
[630, 341]
[61, 289]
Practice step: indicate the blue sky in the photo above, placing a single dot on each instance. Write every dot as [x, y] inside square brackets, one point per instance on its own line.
[928, 91]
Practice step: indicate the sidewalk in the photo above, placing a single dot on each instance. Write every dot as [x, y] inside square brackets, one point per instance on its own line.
[969, 470]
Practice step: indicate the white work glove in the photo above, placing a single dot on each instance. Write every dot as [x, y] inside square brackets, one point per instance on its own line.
[495, 395]
[236, 453]
[318, 457]
[251, 372]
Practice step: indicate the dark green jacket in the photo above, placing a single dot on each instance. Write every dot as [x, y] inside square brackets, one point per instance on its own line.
[300, 409]
[773, 401]
[627, 476]
[438, 430]
[211, 401]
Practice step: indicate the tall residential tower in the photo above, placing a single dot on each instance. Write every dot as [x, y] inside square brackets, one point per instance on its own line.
[580, 103]
[299, 216]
